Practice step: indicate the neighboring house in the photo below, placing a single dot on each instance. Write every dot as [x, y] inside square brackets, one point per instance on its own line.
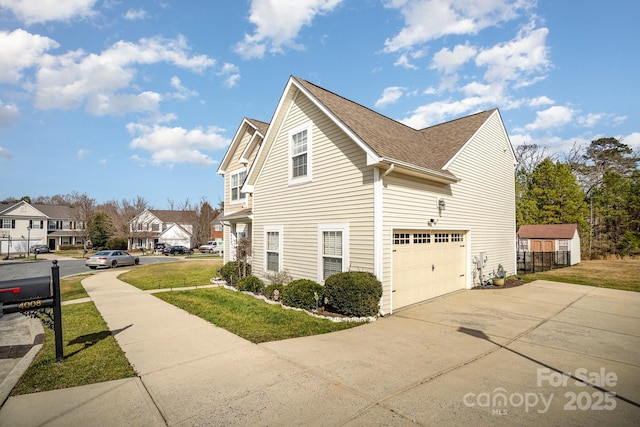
[550, 238]
[217, 230]
[23, 225]
[162, 226]
[333, 186]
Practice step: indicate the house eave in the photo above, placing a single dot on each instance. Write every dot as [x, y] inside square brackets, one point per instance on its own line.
[417, 171]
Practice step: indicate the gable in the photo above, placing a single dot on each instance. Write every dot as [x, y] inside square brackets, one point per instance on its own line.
[243, 146]
[385, 141]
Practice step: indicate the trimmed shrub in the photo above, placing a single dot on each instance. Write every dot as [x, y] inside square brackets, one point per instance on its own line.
[353, 293]
[68, 247]
[251, 284]
[300, 293]
[231, 272]
[117, 243]
[270, 289]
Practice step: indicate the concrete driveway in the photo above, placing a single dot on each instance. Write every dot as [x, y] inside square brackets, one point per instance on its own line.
[480, 357]
[505, 356]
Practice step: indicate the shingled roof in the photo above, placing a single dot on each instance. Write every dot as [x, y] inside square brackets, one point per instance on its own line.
[430, 148]
[261, 126]
[547, 231]
[178, 217]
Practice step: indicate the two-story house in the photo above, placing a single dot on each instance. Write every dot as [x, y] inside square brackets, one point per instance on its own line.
[331, 186]
[153, 226]
[23, 224]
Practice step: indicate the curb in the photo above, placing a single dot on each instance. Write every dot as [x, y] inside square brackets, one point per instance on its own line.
[10, 381]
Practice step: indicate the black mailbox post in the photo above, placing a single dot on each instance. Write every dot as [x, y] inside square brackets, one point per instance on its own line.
[35, 293]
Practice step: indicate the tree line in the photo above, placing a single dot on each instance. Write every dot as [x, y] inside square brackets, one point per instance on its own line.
[596, 187]
[110, 221]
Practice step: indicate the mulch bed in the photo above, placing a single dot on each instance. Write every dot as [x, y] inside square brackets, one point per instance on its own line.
[509, 283]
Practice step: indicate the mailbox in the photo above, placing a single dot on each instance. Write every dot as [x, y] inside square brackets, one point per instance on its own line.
[35, 293]
[25, 294]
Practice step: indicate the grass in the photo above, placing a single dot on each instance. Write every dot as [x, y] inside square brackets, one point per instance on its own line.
[91, 353]
[71, 288]
[248, 317]
[614, 274]
[195, 272]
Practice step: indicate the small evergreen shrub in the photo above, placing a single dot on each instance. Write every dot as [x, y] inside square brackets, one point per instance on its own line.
[300, 293]
[353, 293]
[250, 284]
[68, 247]
[230, 272]
[117, 243]
[270, 290]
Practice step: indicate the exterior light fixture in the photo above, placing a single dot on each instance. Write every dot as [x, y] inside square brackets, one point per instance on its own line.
[441, 204]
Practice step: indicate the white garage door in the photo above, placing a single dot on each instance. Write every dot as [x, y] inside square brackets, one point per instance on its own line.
[427, 264]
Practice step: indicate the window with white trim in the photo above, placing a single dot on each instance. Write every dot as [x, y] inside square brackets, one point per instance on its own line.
[523, 244]
[300, 154]
[334, 250]
[237, 179]
[563, 245]
[331, 253]
[273, 245]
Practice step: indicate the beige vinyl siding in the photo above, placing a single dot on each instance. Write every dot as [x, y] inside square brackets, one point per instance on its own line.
[341, 191]
[484, 199]
[408, 204]
[235, 166]
[481, 203]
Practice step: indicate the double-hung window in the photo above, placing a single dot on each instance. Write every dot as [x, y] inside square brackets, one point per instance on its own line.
[333, 241]
[273, 245]
[300, 154]
[237, 179]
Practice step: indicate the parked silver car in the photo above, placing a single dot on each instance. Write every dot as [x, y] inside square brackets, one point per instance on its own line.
[39, 249]
[111, 259]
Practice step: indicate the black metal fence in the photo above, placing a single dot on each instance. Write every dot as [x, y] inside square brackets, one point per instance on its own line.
[533, 262]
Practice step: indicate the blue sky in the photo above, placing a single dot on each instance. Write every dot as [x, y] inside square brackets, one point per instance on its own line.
[122, 99]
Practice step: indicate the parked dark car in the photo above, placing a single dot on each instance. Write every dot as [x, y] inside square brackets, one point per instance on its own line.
[176, 250]
[39, 249]
[159, 246]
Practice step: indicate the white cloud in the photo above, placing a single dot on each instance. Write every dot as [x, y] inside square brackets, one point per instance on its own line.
[404, 62]
[230, 73]
[278, 23]
[174, 145]
[135, 14]
[100, 81]
[9, 114]
[5, 154]
[427, 20]
[517, 59]
[441, 111]
[31, 11]
[632, 140]
[540, 101]
[552, 117]
[590, 120]
[390, 95]
[447, 61]
[81, 153]
[182, 92]
[20, 50]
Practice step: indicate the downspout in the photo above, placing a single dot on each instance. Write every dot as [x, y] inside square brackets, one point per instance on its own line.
[388, 171]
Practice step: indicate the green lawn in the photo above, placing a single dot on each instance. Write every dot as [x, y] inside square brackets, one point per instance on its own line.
[614, 274]
[194, 272]
[249, 317]
[91, 354]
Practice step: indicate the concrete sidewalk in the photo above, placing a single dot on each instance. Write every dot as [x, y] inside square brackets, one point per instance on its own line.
[447, 361]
